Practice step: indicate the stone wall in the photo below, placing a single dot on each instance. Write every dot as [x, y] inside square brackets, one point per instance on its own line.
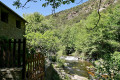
[11, 74]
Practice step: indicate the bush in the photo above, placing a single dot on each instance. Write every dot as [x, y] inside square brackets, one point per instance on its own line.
[53, 58]
[110, 66]
[60, 62]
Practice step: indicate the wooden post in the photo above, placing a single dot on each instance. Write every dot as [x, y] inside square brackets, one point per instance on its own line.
[19, 49]
[14, 50]
[10, 55]
[7, 54]
[1, 54]
[24, 60]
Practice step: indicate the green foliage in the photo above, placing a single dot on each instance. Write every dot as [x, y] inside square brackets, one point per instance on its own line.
[104, 42]
[60, 63]
[67, 77]
[76, 29]
[39, 34]
[53, 3]
[68, 36]
[101, 40]
[3, 38]
[53, 58]
[110, 66]
[17, 3]
[35, 23]
[83, 36]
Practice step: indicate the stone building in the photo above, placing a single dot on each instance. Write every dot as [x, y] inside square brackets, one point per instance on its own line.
[11, 24]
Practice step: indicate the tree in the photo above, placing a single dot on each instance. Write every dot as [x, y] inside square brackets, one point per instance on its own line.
[35, 23]
[105, 38]
[54, 3]
[39, 34]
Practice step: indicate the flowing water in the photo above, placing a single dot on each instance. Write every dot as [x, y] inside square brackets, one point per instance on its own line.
[76, 67]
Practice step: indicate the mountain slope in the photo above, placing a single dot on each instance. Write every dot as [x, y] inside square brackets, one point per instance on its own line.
[75, 14]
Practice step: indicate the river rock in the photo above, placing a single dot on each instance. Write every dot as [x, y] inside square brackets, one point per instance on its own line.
[76, 77]
[8, 76]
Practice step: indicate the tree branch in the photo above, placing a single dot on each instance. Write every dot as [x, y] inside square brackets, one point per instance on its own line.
[98, 14]
[80, 2]
[23, 6]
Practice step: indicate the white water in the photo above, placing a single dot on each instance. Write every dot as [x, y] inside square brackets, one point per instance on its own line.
[71, 58]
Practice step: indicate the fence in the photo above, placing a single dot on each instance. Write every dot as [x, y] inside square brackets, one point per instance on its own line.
[12, 54]
[35, 67]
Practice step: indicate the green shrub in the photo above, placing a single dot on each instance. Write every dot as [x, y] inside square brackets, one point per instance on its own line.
[60, 63]
[110, 66]
[53, 58]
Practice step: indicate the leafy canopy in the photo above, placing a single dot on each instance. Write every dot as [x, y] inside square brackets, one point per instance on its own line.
[53, 3]
[40, 33]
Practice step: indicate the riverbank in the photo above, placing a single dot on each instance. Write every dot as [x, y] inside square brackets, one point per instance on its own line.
[72, 68]
[68, 76]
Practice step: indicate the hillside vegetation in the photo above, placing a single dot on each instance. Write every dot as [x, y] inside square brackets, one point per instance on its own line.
[75, 14]
[75, 31]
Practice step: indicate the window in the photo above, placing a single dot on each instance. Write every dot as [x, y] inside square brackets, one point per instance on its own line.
[4, 17]
[18, 24]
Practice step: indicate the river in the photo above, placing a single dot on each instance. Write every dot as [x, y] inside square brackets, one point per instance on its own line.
[76, 66]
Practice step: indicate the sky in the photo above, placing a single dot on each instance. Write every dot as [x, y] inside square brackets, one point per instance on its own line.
[37, 7]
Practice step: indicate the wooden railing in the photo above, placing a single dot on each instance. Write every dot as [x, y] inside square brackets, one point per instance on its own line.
[35, 67]
[12, 53]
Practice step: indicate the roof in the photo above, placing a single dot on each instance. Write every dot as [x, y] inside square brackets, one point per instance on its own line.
[12, 11]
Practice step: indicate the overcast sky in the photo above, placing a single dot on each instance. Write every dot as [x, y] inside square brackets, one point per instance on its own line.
[37, 7]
